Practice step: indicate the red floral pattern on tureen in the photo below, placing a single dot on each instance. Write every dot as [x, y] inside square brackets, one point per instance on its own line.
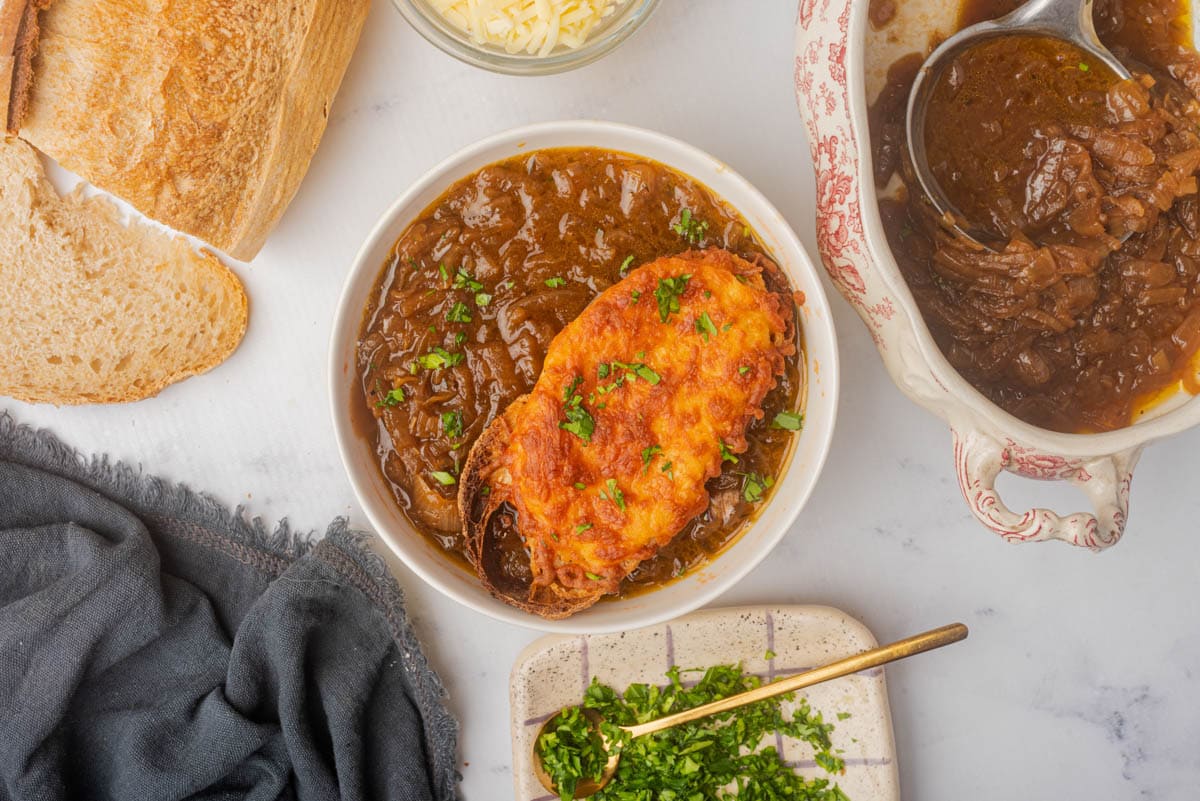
[820, 77]
[823, 90]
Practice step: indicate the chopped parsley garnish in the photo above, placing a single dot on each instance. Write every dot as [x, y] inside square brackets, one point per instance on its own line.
[791, 421]
[593, 576]
[728, 756]
[669, 469]
[452, 424]
[464, 280]
[445, 273]
[648, 455]
[743, 370]
[727, 455]
[578, 421]
[1083, 67]
[579, 485]
[636, 296]
[705, 326]
[444, 478]
[582, 527]
[393, 398]
[438, 358]
[639, 370]
[460, 338]
[571, 752]
[569, 389]
[482, 299]
[625, 266]
[485, 491]
[614, 494]
[625, 371]
[459, 313]
[668, 293]
[556, 282]
[754, 487]
[690, 228]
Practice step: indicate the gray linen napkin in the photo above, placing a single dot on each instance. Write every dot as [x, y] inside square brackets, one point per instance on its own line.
[155, 646]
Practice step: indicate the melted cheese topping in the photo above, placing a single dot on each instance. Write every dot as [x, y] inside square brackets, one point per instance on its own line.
[592, 508]
[529, 26]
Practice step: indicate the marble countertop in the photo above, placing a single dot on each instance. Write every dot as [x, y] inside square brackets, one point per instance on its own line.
[1079, 680]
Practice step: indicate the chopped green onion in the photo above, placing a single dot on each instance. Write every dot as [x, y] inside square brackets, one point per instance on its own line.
[648, 455]
[791, 421]
[459, 313]
[443, 478]
[452, 423]
[754, 487]
[393, 398]
[668, 293]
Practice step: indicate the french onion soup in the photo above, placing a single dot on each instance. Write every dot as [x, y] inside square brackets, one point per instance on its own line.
[1087, 308]
[470, 310]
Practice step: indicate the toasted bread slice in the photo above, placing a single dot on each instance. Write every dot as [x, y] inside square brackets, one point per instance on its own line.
[638, 406]
[478, 508]
[94, 311]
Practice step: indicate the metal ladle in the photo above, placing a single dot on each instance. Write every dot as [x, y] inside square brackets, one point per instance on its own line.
[843, 667]
[1068, 20]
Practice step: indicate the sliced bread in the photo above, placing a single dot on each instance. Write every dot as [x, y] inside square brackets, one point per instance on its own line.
[203, 114]
[94, 311]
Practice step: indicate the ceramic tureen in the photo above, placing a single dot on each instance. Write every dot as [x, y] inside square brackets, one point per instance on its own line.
[840, 66]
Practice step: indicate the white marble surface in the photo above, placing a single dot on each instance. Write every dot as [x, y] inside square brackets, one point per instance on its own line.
[1079, 679]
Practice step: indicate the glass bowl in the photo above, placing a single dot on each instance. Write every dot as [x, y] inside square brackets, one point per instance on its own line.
[625, 19]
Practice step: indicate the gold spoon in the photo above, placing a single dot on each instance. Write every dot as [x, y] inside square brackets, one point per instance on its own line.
[834, 670]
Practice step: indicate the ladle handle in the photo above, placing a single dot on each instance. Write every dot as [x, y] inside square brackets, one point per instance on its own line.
[1062, 16]
[843, 667]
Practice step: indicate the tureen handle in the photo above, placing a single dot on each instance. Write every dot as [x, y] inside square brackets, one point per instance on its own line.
[979, 457]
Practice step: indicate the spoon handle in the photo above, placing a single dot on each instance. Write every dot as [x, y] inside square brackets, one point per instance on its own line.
[834, 670]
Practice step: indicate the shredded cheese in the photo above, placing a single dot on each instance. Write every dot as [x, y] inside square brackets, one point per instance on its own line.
[529, 26]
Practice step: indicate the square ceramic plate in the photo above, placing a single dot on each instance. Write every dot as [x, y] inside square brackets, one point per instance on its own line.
[554, 671]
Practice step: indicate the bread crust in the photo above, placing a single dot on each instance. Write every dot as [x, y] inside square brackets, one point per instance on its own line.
[202, 114]
[24, 50]
[12, 15]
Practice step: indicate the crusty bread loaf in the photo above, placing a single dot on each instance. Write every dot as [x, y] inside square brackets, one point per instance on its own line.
[203, 114]
[92, 310]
